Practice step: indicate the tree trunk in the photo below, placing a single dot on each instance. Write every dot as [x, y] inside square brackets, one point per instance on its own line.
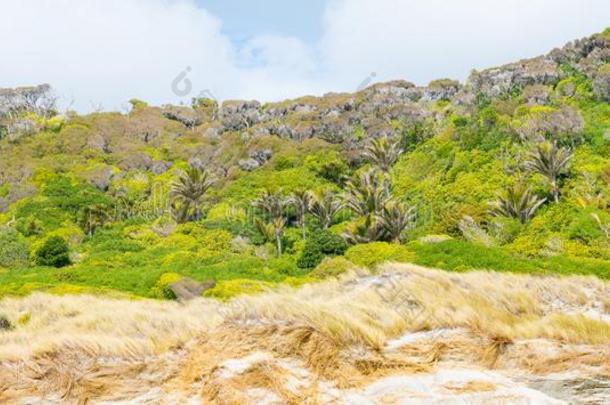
[555, 190]
[278, 240]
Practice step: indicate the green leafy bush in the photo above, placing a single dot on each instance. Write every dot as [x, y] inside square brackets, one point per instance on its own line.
[585, 228]
[328, 164]
[162, 286]
[321, 244]
[227, 289]
[332, 267]
[458, 255]
[372, 254]
[14, 250]
[29, 226]
[70, 195]
[55, 252]
[137, 104]
[284, 162]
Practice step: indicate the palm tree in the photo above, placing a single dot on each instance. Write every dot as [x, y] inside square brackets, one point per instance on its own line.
[273, 206]
[367, 192]
[272, 231]
[365, 230]
[92, 217]
[187, 194]
[394, 219]
[278, 225]
[550, 161]
[301, 201]
[517, 202]
[383, 153]
[324, 206]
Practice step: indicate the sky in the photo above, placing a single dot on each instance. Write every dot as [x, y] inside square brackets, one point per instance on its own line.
[98, 54]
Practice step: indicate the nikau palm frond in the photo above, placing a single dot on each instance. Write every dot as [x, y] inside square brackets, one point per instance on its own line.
[272, 231]
[92, 217]
[517, 202]
[389, 224]
[367, 193]
[265, 229]
[383, 153]
[550, 161]
[301, 201]
[364, 231]
[273, 206]
[394, 219]
[187, 194]
[324, 206]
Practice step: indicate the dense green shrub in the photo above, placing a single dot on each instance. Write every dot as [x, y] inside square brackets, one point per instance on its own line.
[285, 266]
[137, 104]
[13, 248]
[319, 245]
[71, 195]
[310, 257]
[29, 226]
[332, 267]
[585, 227]
[328, 164]
[227, 289]
[372, 254]
[162, 286]
[457, 255]
[55, 252]
[284, 162]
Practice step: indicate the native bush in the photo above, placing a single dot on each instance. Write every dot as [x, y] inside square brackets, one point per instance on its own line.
[328, 164]
[319, 245]
[162, 288]
[332, 267]
[55, 252]
[14, 251]
[372, 254]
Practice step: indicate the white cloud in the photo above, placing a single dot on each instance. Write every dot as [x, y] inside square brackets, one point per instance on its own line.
[108, 51]
[111, 50]
[423, 40]
[277, 67]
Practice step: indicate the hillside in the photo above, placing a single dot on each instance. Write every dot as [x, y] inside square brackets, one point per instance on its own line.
[441, 243]
[509, 171]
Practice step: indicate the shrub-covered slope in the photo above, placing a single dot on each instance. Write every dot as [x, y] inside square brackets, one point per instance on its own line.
[508, 171]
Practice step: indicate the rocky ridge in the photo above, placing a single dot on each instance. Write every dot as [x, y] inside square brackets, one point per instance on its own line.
[336, 116]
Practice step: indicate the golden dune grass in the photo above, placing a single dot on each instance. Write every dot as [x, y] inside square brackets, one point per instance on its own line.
[98, 326]
[408, 297]
[84, 347]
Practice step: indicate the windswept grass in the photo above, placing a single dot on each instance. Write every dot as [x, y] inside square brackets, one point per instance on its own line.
[101, 327]
[337, 330]
[408, 297]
